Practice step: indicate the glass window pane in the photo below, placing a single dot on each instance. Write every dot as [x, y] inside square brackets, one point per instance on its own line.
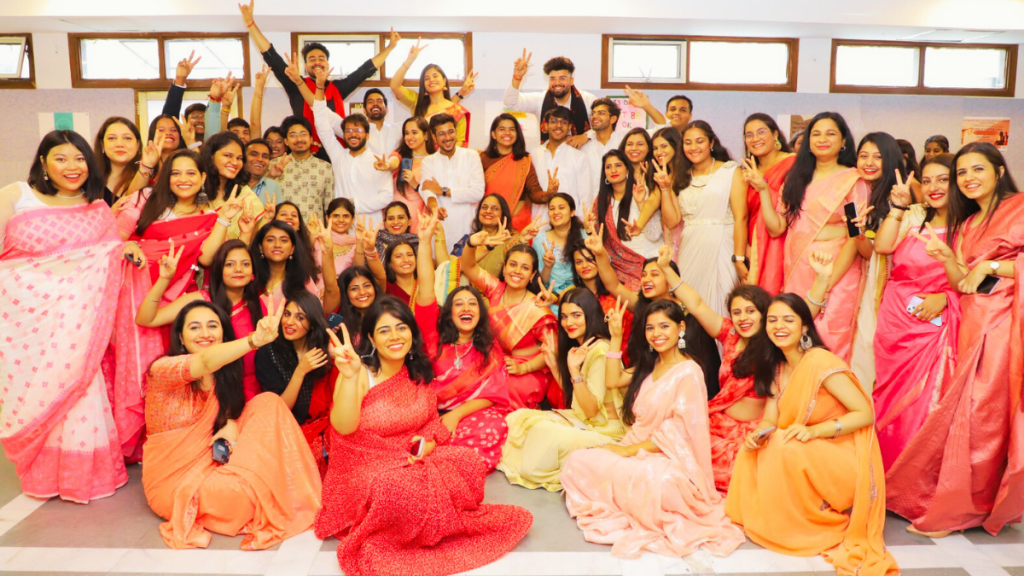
[448, 53]
[218, 56]
[345, 55]
[11, 50]
[877, 66]
[645, 61]
[724, 63]
[26, 69]
[964, 68]
[116, 58]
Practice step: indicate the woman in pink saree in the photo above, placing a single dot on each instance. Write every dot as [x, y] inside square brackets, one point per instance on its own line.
[821, 182]
[965, 467]
[61, 267]
[654, 490]
[919, 318]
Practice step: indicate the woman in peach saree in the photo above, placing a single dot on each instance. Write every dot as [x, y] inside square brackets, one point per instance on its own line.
[816, 486]
[269, 489]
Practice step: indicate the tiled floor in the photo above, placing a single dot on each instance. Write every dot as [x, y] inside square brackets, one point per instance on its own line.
[119, 535]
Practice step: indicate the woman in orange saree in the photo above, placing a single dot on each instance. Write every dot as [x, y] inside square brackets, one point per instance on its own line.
[816, 486]
[509, 171]
[269, 488]
[965, 467]
[765, 172]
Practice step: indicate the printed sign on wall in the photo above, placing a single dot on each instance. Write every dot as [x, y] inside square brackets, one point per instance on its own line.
[77, 121]
[995, 131]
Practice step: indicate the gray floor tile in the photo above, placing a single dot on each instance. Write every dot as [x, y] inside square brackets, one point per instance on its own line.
[10, 487]
[895, 533]
[1007, 535]
[1015, 571]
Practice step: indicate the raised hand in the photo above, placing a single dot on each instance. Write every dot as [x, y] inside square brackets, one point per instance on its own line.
[664, 256]
[614, 318]
[188, 132]
[151, 154]
[821, 262]
[553, 181]
[322, 77]
[546, 297]
[185, 67]
[578, 354]
[414, 51]
[315, 226]
[901, 194]
[220, 86]
[637, 98]
[345, 358]
[590, 219]
[277, 168]
[595, 242]
[260, 80]
[247, 221]
[292, 69]
[427, 228]
[380, 163]
[311, 360]
[661, 176]
[933, 246]
[522, 65]
[640, 192]
[753, 176]
[266, 329]
[327, 238]
[532, 229]
[233, 207]
[393, 39]
[549, 254]
[469, 84]
[246, 10]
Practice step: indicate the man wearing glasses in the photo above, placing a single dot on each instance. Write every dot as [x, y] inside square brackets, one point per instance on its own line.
[559, 166]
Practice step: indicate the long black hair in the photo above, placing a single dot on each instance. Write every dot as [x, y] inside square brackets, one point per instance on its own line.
[94, 182]
[306, 240]
[946, 161]
[581, 247]
[316, 337]
[352, 316]
[152, 130]
[389, 274]
[211, 146]
[681, 167]
[218, 292]
[802, 172]
[298, 270]
[103, 159]
[423, 100]
[597, 327]
[743, 365]
[228, 380]
[162, 198]
[575, 226]
[405, 152]
[483, 336]
[641, 132]
[506, 213]
[518, 147]
[534, 284]
[960, 206]
[421, 369]
[643, 364]
[909, 157]
[606, 192]
[765, 357]
[892, 160]
[780, 136]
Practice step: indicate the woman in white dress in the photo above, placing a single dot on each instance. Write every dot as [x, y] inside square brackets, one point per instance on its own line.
[711, 205]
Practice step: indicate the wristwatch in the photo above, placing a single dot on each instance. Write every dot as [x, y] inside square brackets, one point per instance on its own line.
[736, 258]
[444, 191]
[994, 265]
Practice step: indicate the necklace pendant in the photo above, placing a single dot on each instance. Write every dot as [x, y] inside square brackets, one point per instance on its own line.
[458, 363]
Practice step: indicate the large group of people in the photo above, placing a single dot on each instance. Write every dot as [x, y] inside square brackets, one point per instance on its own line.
[342, 324]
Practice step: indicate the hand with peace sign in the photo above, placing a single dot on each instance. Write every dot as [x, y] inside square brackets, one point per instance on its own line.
[752, 175]
[427, 227]
[277, 168]
[229, 95]
[247, 222]
[901, 194]
[549, 254]
[414, 51]
[595, 242]
[522, 65]
[393, 39]
[632, 229]
[546, 296]
[933, 246]
[188, 132]
[532, 229]
[270, 208]
[292, 69]
[469, 84]
[482, 238]
[590, 219]
[380, 163]
[314, 226]
[661, 176]
[640, 192]
[266, 329]
[664, 256]
[321, 77]
[233, 207]
[219, 86]
[576, 356]
[260, 80]
[549, 349]
[614, 318]
[862, 218]
[345, 358]
[184, 68]
[369, 237]
[553, 182]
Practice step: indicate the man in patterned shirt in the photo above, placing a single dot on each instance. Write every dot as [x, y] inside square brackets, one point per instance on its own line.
[306, 180]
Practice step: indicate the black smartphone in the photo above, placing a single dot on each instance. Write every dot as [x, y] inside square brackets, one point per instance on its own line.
[134, 262]
[221, 451]
[988, 284]
[851, 213]
[334, 320]
[406, 163]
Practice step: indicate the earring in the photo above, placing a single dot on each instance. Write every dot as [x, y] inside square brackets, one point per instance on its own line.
[843, 149]
[651, 347]
[45, 175]
[606, 181]
[254, 276]
[290, 256]
[202, 198]
[778, 145]
[103, 151]
[682, 340]
[805, 342]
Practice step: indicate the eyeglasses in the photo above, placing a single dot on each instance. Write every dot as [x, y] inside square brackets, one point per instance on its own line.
[763, 132]
[558, 122]
[354, 131]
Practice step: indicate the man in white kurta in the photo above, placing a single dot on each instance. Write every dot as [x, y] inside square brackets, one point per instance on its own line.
[356, 176]
[556, 160]
[561, 87]
[453, 177]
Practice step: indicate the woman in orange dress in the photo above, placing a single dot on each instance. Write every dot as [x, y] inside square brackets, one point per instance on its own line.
[816, 486]
[269, 489]
[509, 171]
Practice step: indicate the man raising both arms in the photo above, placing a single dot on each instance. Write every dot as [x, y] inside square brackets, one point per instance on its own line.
[315, 56]
[561, 92]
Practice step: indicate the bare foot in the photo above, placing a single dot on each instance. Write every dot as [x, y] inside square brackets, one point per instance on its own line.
[940, 534]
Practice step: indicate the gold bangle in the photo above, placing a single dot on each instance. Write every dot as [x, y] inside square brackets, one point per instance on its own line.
[252, 345]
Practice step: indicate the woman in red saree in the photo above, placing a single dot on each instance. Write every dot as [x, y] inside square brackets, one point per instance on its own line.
[509, 172]
[919, 319]
[765, 172]
[615, 200]
[520, 324]
[965, 467]
[399, 496]
[269, 489]
[811, 214]
[809, 479]
[61, 258]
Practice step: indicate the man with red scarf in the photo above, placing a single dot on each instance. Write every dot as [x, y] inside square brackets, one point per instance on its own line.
[315, 56]
[561, 92]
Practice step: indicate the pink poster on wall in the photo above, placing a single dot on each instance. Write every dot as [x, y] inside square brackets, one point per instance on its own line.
[995, 131]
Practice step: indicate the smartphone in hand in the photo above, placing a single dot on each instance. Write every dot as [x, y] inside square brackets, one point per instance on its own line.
[221, 451]
[851, 213]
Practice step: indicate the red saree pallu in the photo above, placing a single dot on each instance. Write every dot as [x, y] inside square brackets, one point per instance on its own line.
[506, 177]
[628, 265]
[767, 254]
[60, 272]
[965, 467]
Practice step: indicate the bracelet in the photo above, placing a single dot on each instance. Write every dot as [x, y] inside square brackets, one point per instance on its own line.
[812, 301]
[839, 428]
[373, 255]
[676, 287]
[212, 99]
[223, 222]
[898, 207]
[520, 79]
[250, 24]
[614, 355]
[252, 344]
[459, 94]
[141, 165]
[157, 300]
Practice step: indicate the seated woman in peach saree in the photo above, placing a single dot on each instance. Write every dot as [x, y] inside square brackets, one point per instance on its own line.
[269, 488]
[809, 480]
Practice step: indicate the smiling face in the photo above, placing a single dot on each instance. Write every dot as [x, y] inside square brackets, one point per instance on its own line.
[663, 151]
[869, 162]
[615, 170]
[277, 246]
[201, 330]
[573, 320]
[505, 134]
[288, 214]
[66, 167]
[784, 326]
[559, 213]
[228, 161]
[186, 179]
[433, 80]
[696, 145]
[376, 109]
[276, 141]
[294, 324]
[976, 177]
[932, 149]
[298, 138]
[120, 144]
[935, 185]
[341, 220]
[360, 292]
[403, 260]
[600, 118]
[237, 268]
[396, 220]
[662, 333]
[355, 136]
[414, 137]
[746, 318]
[257, 160]
[558, 129]
[560, 83]
[316, 61]
[585, 264]
[167, 135]
[653, 282]
[636, 149]
[445, 135]
[678, 113]
[392, 337]
[242, 132]
[825, 139]
[465, 311]
[490, 212]
[519, 270]
[197, 119]
[759, 139]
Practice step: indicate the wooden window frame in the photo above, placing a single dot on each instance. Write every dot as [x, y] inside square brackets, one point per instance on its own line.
[22, 83]
[791, 69]
[384, 37]
[161, 83]
[1007, 92]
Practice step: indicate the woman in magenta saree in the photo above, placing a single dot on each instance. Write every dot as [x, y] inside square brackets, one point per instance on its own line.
[61, 267]
[965, 467]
